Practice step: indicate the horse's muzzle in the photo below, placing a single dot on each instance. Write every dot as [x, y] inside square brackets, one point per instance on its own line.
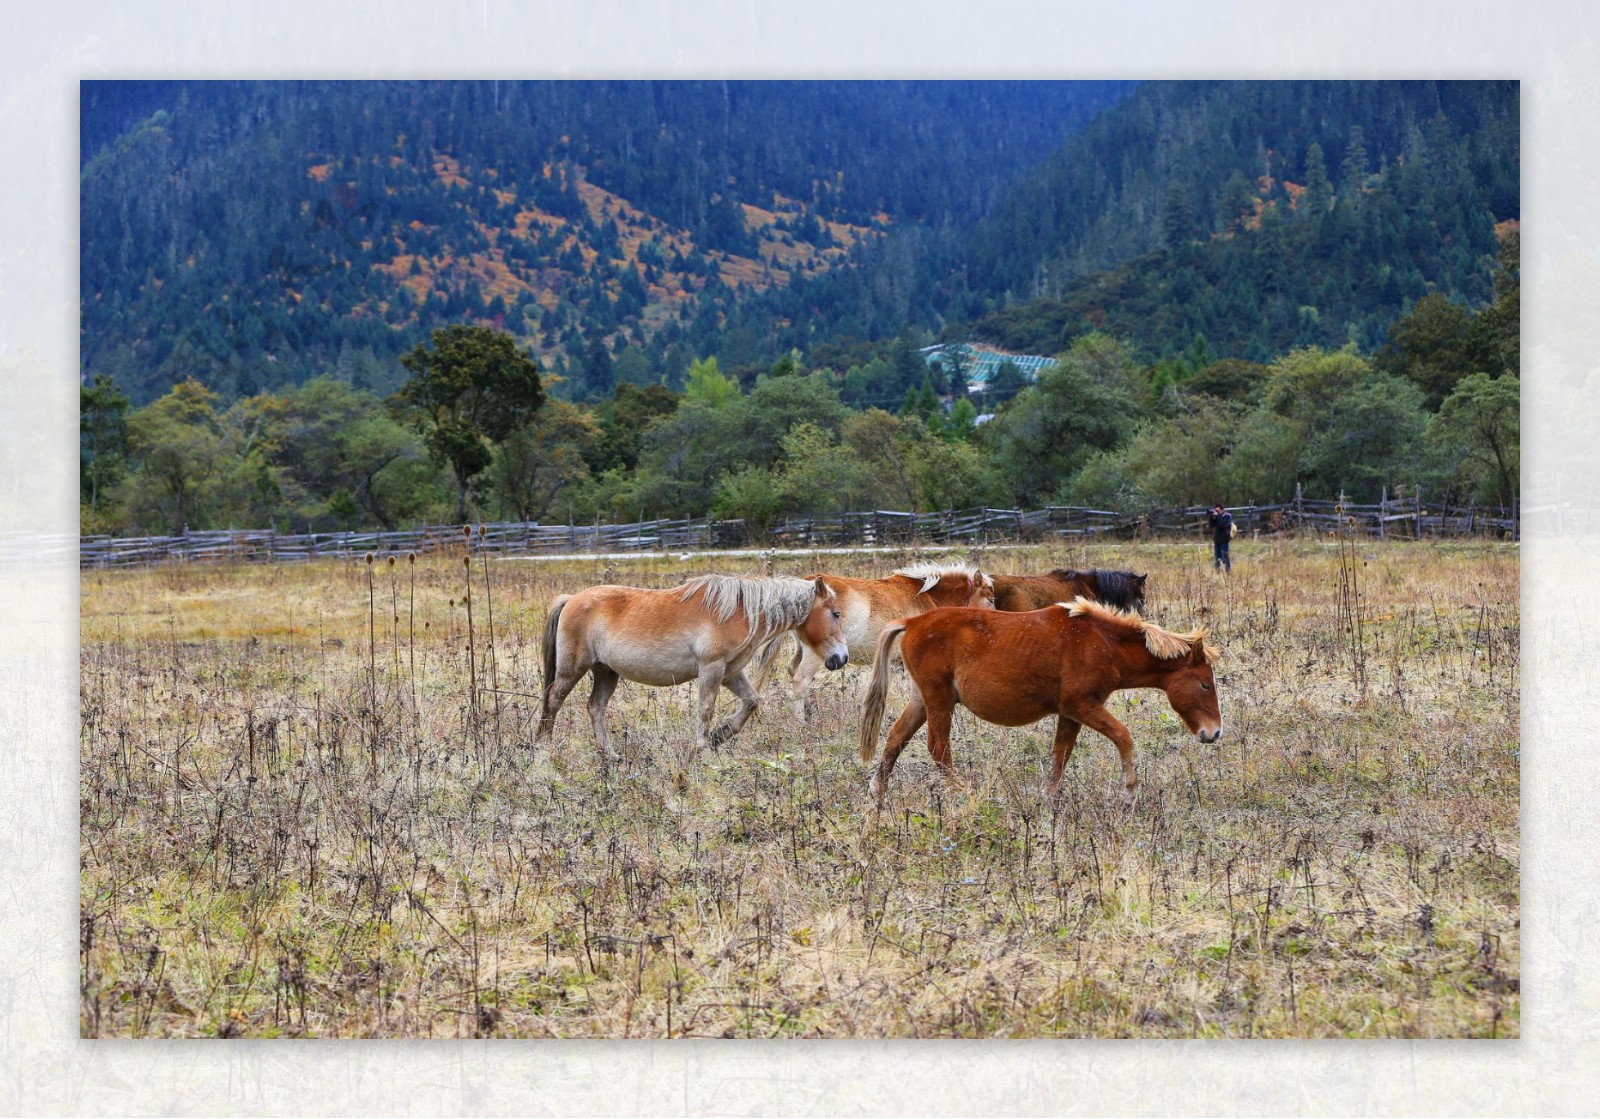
[1214, 736]
[837, 660]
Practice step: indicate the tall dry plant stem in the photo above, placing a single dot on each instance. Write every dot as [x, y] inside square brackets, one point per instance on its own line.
[488, 602]
[1351, 632]
[472, 652]
[372, 665]
[411, 622]
[394, 616]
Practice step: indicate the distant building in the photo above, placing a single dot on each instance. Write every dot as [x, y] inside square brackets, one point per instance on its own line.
[982, 362]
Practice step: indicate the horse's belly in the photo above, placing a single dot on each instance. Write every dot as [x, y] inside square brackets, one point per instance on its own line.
[659, 664]
[1003, 706]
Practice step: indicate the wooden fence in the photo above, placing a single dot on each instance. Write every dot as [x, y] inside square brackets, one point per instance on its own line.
[1398, 519]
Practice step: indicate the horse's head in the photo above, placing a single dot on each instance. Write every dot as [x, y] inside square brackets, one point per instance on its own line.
[1136, 592]
[955, 587]
[822, 631]
[1192, 690]
[980, 591]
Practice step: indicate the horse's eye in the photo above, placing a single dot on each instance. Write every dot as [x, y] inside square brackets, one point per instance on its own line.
[836, 614]
[1206, 686]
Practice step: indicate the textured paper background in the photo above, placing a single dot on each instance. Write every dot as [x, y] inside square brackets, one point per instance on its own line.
[44, 1067]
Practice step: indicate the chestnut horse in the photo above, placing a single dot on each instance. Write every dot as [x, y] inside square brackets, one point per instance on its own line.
[1014, 669]
[870, 604]
[705, 630]
[1122, 589]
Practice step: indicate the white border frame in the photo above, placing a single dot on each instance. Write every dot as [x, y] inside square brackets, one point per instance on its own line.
[46, 1069]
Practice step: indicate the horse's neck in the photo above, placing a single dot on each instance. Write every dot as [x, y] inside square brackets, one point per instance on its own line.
[1143, 669]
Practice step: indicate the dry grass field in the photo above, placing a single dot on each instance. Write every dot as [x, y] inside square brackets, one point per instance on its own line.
[298, 819]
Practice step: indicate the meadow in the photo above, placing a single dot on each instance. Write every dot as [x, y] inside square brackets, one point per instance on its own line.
[311, 806]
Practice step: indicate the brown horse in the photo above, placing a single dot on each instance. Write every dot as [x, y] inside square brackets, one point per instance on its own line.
[1122, 589]
[870, 604]
[1014, 669]
[705, 630]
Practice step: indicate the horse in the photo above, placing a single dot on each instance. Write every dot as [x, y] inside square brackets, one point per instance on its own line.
[705, 630]
[1122, 589]
[1013, 669]
[870, 604]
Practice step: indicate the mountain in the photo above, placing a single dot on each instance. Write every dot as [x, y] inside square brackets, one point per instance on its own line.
[252, 235]
[1260, 215]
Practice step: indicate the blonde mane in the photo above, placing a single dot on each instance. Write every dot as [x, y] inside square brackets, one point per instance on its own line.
[1162, 643]
[931, 573]
[770, 602]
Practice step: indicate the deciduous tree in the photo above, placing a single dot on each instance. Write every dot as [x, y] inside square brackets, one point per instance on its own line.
[471, 388]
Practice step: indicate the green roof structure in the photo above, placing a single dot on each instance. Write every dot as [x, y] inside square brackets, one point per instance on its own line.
[983, 362]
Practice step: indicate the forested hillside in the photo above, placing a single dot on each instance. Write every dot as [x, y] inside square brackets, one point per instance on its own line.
[1261, 215]
[725, 286]
[253, 235]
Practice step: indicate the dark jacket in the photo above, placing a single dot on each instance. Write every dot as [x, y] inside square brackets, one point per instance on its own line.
[1221, 527]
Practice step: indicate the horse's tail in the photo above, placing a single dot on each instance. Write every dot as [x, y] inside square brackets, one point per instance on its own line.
[765, 659]
[878, 689]
[551, 623]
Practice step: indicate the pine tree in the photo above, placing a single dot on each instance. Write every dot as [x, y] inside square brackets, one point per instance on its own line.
[1353, 168]
[1319, 190]
[1177, 217]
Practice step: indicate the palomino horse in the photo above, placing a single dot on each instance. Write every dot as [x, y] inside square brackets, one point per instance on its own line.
[1014, 669]
[870, 604]
[1122, 589]
[705, 630]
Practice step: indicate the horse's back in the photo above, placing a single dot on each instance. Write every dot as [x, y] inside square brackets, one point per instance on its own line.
[648, 636]
[1004, 667]
[1022, 593]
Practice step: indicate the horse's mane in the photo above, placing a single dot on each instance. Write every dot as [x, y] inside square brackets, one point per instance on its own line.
[770, 602]
[1112, 587]
[931, 573]
[1162, 643]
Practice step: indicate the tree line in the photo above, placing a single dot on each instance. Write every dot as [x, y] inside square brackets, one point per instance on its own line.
[475, 429]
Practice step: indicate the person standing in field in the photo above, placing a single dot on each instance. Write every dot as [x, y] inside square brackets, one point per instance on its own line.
[1221, 522]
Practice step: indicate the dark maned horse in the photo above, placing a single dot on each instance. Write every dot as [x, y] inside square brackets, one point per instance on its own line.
[1014, 669]
[1122, 589]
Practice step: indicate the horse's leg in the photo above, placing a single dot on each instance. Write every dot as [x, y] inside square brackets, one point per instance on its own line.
[909, 722]
[605, 682]
[940, 712]
[708, 682]
[740, 686]
[1067, 729]
[555, 694]
[801, 670]
[1097, 718]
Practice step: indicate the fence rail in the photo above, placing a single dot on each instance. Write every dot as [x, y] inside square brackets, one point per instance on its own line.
[1387, 519]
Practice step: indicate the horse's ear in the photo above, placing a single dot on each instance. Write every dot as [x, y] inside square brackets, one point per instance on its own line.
[1141, 578]
[822, 588]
